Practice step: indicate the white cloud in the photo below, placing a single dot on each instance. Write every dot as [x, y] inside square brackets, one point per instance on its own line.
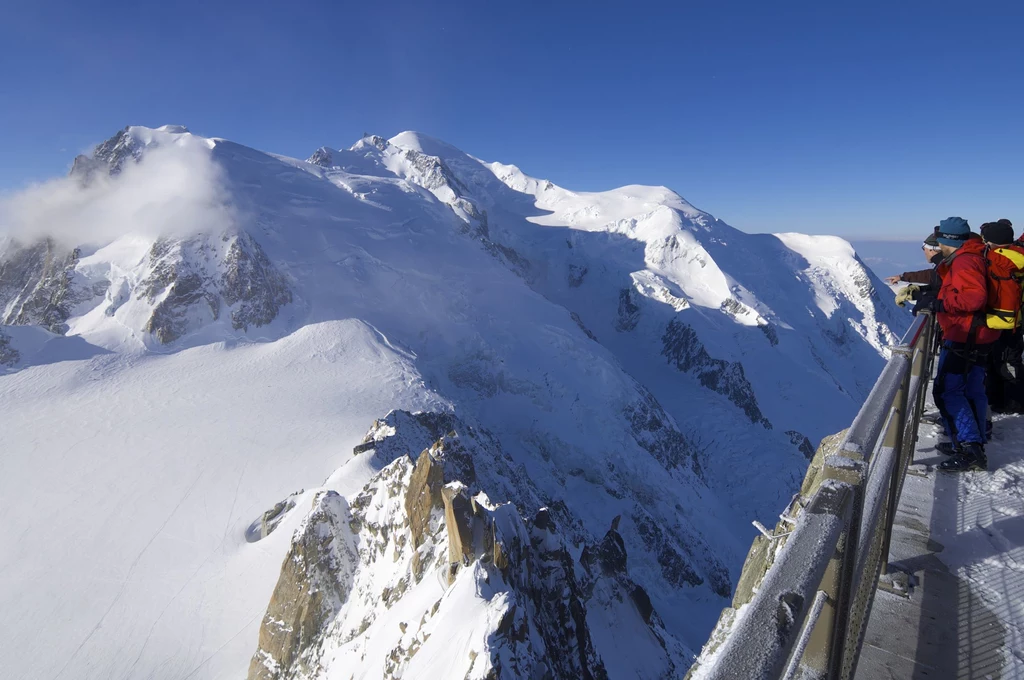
[176, 190]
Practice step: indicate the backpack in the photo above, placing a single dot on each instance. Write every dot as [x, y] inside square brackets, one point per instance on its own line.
[1005, 273]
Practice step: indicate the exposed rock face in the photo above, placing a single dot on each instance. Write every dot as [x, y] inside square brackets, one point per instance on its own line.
[180, 288]
[270, 519]
[251, 284]
[186, 282]
[401, 432]
[683, 348]
[422, 499]
[8, 355]
[315, 580]
[629, 311]
[352, 570]
[109, 157]
[863, 282]
[770, 332]
[801, 442]
[654, 430]
[323, 157]
[577, 273]
[37, 286]
[579, 322]
[189, 280]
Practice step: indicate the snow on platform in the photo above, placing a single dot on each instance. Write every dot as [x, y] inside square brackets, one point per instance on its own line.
[961, 536]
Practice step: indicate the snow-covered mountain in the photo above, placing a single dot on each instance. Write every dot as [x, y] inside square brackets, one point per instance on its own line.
[396, 412]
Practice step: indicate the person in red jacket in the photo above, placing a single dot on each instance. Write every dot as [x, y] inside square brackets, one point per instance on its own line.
[960, 379]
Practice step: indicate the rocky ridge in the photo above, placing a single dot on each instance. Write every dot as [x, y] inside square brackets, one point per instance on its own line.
[38, 285]
[352, 569]
[184, 283]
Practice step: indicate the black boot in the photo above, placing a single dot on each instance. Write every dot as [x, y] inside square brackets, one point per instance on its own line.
[971, 457]
[947, 448]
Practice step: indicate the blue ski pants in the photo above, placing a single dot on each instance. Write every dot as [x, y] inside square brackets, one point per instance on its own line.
[959, 393]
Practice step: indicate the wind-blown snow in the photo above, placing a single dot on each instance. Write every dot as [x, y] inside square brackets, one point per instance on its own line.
[176, 190]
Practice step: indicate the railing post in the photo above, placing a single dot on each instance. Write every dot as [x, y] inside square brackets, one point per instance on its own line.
[844, 588]
[899, 462]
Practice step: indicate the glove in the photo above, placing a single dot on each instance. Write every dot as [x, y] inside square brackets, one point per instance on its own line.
[929, 301]
[906, 294]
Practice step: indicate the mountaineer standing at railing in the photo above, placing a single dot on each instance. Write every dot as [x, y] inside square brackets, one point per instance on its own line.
[924, 280]
[1005, 383]
[960, 380]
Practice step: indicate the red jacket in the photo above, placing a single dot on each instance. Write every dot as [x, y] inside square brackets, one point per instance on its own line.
[964, 292]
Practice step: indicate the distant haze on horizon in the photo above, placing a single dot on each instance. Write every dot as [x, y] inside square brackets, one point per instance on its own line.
[869, 121]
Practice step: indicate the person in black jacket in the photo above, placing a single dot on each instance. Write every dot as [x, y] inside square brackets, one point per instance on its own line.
[922, 281]
[1005, 384]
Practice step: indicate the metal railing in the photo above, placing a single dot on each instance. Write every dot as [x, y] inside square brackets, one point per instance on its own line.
[810, 611]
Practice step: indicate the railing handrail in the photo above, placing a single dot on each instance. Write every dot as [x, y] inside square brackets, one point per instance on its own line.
[839, 543]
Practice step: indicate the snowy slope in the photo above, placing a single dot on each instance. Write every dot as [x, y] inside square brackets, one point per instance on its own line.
[791, 317]
[169, 374]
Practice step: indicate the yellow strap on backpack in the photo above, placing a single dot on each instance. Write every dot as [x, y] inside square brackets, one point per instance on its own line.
[1008, 319]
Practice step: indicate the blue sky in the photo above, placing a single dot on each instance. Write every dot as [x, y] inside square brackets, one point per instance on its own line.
[861, 119]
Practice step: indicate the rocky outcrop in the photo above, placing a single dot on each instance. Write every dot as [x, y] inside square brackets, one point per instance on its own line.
[682, 348]
[400, 432]
[180, 288]
[351, 570]
[769, 332]
[37, 286]
[422, 500]
[654, 430]
[324, 157]
[579, 323]
[251, 285]
[628, 311]
[577, 272]
[109, 157]
[801, 442]
[8, 354]
[265, 524]
[315, 580]
[189, 280]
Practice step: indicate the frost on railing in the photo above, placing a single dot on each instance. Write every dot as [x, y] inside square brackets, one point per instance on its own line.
[804, 596]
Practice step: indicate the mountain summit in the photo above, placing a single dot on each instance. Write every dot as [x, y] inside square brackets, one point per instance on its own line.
[394, 411]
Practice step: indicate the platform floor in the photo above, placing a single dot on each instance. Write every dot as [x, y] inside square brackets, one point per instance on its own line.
[962, 539]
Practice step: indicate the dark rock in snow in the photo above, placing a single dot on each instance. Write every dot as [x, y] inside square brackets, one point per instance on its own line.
[579, 322]
[323, 157]
[36, 286]
[8, 355]
[654, 430]
[682, 347]
[801, 442]
[108, 158]
[629, 311]
[251, 282]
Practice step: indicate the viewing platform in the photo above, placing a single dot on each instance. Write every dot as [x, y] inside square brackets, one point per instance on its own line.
[961, 539]
[882, 566]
